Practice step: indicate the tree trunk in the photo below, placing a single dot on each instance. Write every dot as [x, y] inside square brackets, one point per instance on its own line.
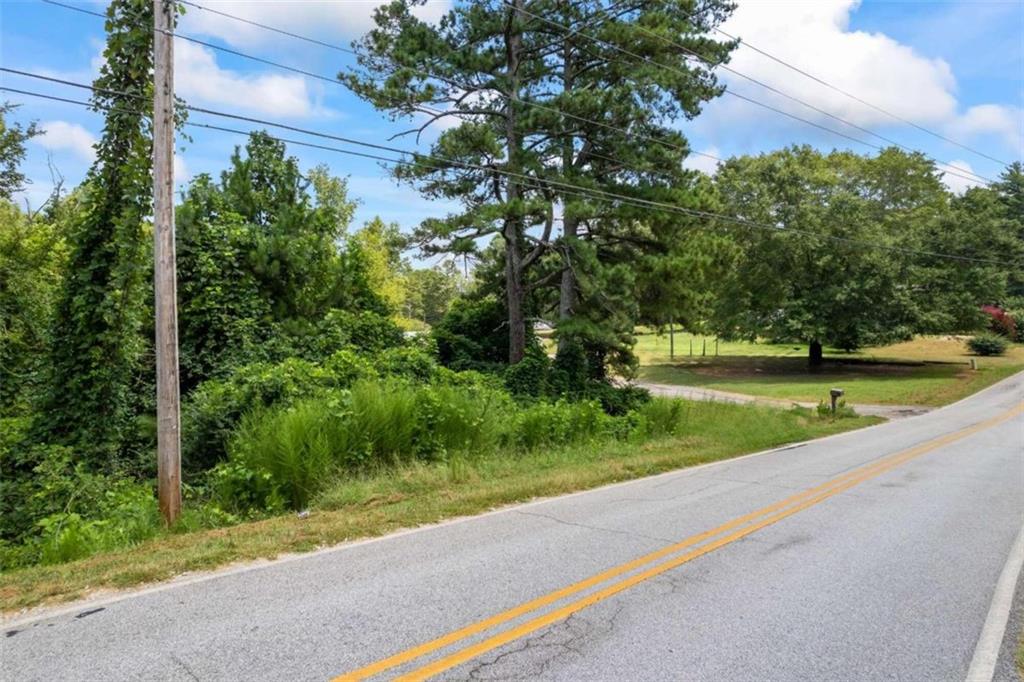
[567, 287]
[570, 224]
[815, 356]
[515, 291]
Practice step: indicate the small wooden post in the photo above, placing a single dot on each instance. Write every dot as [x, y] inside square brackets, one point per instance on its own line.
[704, 346]
[691, 346]
[671, 340]
[168, 418]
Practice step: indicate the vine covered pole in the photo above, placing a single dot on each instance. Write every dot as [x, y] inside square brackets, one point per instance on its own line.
[168, 410]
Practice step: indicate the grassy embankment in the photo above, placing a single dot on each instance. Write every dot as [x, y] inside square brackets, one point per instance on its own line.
[417, 494]
[926, 371]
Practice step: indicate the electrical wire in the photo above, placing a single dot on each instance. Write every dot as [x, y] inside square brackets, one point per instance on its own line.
[423, 160]
[948, 169]
[751, 100]
[285, 67]
[850, 95]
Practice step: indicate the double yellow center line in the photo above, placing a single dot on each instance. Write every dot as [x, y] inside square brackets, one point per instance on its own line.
[726, 533]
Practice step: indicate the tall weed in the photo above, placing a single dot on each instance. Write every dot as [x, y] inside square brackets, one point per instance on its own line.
[292, 445]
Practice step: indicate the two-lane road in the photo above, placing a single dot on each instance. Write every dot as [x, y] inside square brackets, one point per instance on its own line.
[865, 556]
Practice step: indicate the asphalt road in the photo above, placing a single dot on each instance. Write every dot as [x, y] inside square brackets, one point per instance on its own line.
[873, 555]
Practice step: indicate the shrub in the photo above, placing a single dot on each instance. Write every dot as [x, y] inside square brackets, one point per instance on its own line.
[559, 423]
[569, 371]
[987, 344]
[843, 411]
[241, 488]
[1000, 322]
[473, 335]
[465, 419]
[291, 445]
[661, 417]
[1018, 322]
[379, 425]
[408, 362]
[617, 400]
[346, 367]
[216, 407]
[529, 376]
[123, 515]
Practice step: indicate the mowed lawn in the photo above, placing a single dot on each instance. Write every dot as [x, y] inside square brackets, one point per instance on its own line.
[926, 371]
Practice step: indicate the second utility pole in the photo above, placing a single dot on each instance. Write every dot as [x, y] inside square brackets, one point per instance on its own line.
[168, 412]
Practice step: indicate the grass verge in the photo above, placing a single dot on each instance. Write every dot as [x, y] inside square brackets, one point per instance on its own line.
[418, 494]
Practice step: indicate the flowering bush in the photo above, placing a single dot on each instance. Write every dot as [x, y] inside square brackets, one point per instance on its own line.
[1000, 322]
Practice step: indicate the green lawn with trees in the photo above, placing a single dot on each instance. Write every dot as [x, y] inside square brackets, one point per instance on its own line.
[302, 388]
[928, 370]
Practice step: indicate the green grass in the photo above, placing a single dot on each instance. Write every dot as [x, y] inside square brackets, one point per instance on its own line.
[417, 493]
[927, 371]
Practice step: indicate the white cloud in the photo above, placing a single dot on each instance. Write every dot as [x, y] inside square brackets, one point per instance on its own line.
[956, 183]
[334, 22]
[816, 37]
[181, 172]
[992, 119]
[198, 79]
[64, 136]
[701, 163]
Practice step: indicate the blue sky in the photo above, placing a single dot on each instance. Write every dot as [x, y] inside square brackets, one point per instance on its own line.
[953, 67]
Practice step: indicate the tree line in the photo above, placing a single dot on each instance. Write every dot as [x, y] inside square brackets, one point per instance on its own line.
[566, 158]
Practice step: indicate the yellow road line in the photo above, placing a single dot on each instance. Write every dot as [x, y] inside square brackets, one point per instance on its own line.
[805, 499]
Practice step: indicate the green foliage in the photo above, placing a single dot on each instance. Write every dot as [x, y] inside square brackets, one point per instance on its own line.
[843, 411]
[460, 419]
[98, 344]
[238, 487]
[214, 409]
[12, 151]
[288, 452]
[32, 257]
[407, 362]
[1018, 323]
[381, 245]
[261, 271]
[472, 335]
[293, 448]
[987, 344]
[529, 376]
[559, 423]
[802, 284]
[430, 292]
[62, 511]
[661, 417]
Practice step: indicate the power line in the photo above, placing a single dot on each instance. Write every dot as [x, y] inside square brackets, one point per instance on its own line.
[946, 168]
[793, 98]
[852, 96]
[648, 60]
[576, 190]
[335, 81]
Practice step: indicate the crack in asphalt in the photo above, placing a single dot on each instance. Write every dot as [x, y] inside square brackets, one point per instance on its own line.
[185, 667]
[589, 527]
[576, 629]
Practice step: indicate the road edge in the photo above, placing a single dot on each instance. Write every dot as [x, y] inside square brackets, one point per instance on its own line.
[16, 619]
[990, 642]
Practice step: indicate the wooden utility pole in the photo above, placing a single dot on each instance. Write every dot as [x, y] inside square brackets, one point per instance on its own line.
[168, 413]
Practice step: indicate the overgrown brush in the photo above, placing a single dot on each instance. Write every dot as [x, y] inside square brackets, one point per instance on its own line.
[293, 446]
